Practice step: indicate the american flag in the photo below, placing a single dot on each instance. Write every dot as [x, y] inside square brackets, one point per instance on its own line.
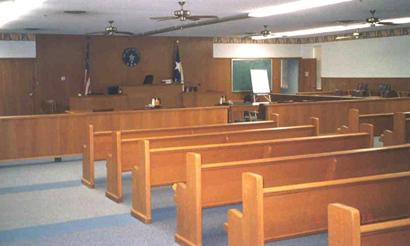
[87, 78]
[178, 72]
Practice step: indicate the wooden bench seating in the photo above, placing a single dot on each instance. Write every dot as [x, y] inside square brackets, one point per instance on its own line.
[165, 166]
[380, 121]
[125, 156]
[400, 132]
[271, 213]
[218, 184]
[344, 229]
[99, 145]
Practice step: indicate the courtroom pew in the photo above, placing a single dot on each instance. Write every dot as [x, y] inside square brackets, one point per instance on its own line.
[298, 113]
[166, 166]
[98, 144]
[344, 228]
[401, 130]
[380, 121]
[272, 213]
[219, 184]
[124, 156]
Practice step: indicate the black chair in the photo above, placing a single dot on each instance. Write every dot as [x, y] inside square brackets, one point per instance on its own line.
[148, 79]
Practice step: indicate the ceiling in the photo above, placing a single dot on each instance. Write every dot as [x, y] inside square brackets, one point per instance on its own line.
[133, 16]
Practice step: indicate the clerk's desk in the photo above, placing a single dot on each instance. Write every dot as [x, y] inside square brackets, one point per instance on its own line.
[132, 97]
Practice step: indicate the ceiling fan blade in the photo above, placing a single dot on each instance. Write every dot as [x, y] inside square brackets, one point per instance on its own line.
[345, 22]
[125, 33]
[193, 18]
[164, 18]
[96, 33]
[204, 16]
[387, 23]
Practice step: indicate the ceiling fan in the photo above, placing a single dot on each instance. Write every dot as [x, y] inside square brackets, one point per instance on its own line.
[262, 34]
[183, 15]
[372, 20]
[111, 30]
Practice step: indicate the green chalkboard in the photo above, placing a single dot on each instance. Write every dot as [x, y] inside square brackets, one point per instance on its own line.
[241, 72]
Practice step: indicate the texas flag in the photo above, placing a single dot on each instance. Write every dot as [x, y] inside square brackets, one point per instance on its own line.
[87, 77]
[178, 72]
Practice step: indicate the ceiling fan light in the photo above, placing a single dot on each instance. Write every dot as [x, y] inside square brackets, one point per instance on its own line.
[292, 7]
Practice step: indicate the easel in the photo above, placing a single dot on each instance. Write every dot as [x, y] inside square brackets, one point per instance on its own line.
[266, 96]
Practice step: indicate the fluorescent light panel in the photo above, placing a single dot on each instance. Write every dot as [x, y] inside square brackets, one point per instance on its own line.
[328, 29]
[403, 20]
[13, 10]
[292, 7]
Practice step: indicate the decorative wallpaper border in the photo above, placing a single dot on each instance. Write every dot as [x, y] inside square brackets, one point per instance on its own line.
[329, 38]
[17, 36]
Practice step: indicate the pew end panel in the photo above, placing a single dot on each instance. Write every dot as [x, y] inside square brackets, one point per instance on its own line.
[141, 184]
[344, 229]
[369, 128]
[188, 202]
[343, 225]
[316, 124]
[247, 228]
[114, 169]
[276, 118]
[233, 227]
[352, 122]
[398, 134]
[88, 176]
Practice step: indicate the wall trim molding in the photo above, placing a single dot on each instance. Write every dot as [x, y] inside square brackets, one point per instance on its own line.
[17, 37]
[311, 40]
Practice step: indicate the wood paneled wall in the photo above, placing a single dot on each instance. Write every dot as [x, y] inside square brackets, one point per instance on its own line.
[16, 84]
[64, 56]
[64, 134]
[331, 84]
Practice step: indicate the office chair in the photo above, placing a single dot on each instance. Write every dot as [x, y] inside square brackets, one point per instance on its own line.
[148, 79]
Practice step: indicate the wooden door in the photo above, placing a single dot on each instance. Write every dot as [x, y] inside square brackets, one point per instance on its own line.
[16, 86]
[307, 75]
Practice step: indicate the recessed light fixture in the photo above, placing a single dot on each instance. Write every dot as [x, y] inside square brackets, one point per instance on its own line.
[75, 12]
[12, 10]
[292, 7]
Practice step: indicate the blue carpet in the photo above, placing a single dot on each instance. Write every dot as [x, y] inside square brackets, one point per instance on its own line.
[110, 223]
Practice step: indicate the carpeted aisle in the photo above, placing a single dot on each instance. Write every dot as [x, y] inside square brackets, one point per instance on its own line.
[44, 203]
